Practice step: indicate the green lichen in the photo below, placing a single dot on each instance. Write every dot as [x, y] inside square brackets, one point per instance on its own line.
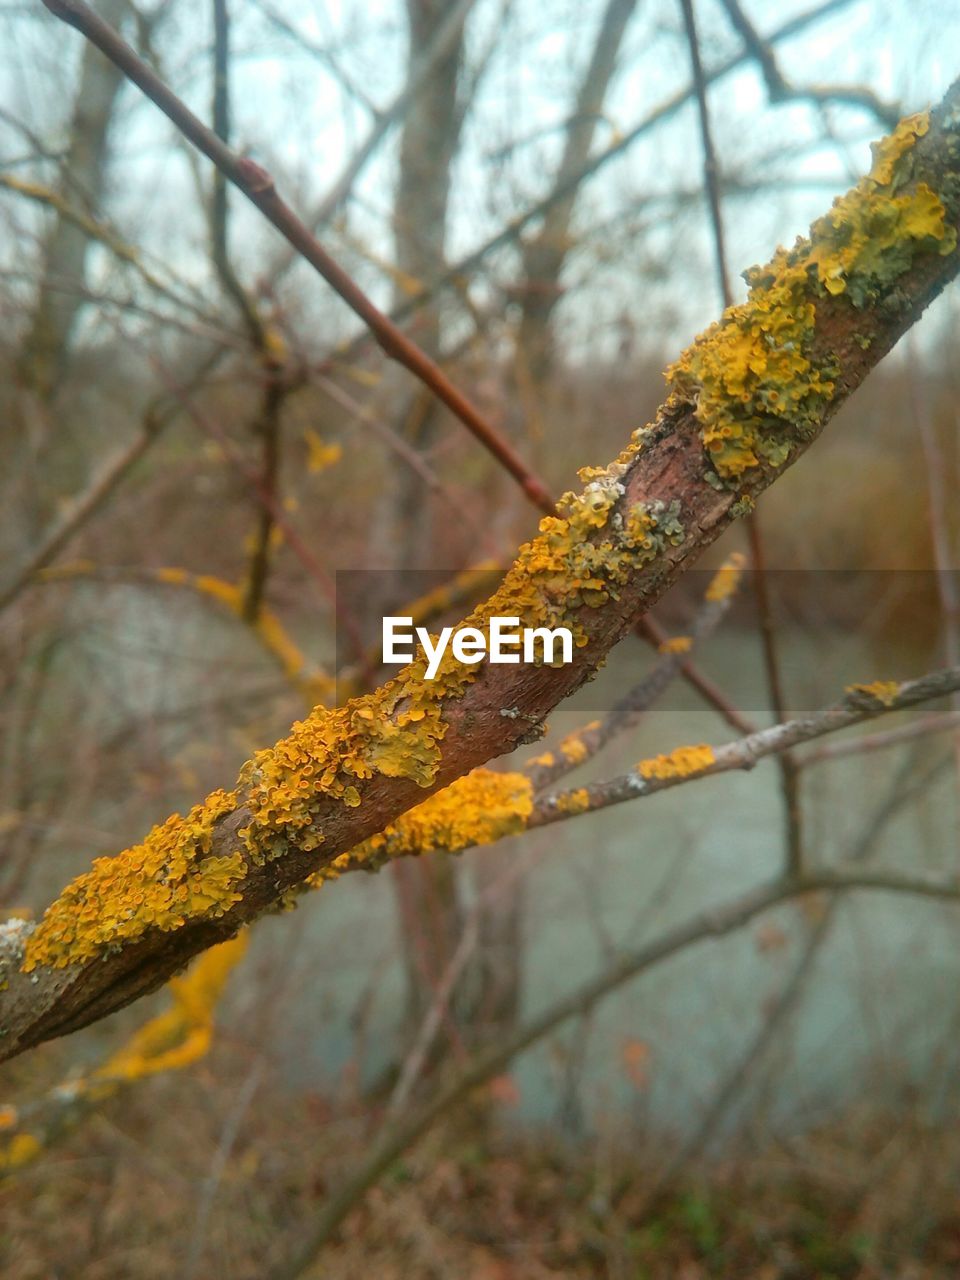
[757, 380]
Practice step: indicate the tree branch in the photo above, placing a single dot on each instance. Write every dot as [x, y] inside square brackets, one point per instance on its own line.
[818, 319]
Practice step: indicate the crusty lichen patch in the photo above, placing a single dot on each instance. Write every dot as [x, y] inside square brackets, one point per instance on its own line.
[679, 763]
[480, 808]
[883, 691]
[171, 875]
[756, 379]
[573, 802]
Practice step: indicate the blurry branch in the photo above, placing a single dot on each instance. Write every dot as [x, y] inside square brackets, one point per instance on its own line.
[42, 150]
[258, 186]
[545, 254]
[80, 509]
[470, 940]
[649, 629]
[322, 54]
[268, 428]
[94, 229]
[43, 350]
[174, 1039]
[711, 169]
[944, 558]
[208, 325]
[412, 457]
[906, 789]
[513, 229]
[218, 1166]
[712, 923]
[583, 744]
[266, 627]
[19, 782]
[925, 726]
[219, 205]
[266, 498]
[268, 346]
[447, 33]
[789, 770]
[860, 704]
[780, 90]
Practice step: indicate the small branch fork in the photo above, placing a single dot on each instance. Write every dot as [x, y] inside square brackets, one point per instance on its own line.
[780, 90]
[258, 186]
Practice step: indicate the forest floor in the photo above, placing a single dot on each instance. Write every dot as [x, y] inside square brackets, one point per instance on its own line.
[182, 1178]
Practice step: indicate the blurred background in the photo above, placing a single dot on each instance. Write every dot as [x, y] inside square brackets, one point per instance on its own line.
[213, 486]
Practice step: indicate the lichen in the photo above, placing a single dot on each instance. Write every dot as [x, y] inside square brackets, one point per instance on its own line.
[573, 748]
[884, 691]
[757, 380]
[182, 1034]
[676, 645]
[170, 876]
[727, 578]
[573, 802]
[20, 1150]
[679, 763]
[479, 808]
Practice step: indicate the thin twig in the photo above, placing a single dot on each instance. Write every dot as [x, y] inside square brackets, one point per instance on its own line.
[660, 774]
[258, 186]
[926, 726]
[82, 508]
[780, 90]
[582, 745]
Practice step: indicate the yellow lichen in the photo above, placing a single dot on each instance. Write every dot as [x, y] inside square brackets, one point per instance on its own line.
[20, 1150]
[477, 809]
[182, 1034]
[677, 644]
[573, 748]
[727, 578]
[573, 801]
[170, 876]
[320, 455]
[679, 763]
[884, 691]
[756, 380]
